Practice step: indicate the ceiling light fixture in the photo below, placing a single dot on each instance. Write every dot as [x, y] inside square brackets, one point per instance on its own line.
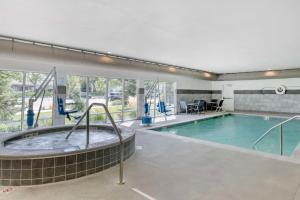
[172, 69]
[271, 73]
[106, 59]
[206, 74]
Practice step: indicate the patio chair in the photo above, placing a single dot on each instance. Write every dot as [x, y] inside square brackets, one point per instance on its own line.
[213, 104]
[199, 107]
[184, 108]
[220, 106]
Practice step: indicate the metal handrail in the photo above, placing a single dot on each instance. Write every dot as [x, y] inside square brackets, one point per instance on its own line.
[281, 131]
[117, 131]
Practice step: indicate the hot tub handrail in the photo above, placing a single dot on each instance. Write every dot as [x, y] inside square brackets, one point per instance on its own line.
[117, 131]
[281, 133]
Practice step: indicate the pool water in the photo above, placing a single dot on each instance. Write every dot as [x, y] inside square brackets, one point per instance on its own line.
[241, 131]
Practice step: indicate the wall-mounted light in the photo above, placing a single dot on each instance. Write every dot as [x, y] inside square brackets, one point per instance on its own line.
[271, 73]
[172, 69]
[106, 59]
[206, 74]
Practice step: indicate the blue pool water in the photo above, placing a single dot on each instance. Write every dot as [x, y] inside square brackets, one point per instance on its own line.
[241, 131]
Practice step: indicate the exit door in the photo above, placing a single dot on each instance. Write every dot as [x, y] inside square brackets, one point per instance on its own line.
[228, 96]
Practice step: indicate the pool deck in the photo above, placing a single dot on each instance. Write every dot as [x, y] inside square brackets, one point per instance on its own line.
[174, 168]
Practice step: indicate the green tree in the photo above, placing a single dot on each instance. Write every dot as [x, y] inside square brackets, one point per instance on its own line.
[35, 79]
[73, 91]
[8, 98]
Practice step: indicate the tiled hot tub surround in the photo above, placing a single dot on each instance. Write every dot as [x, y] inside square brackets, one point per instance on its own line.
[40, 168]
[54, 169]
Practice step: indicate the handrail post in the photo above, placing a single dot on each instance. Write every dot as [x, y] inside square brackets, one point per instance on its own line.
[281, 143]
[87, 127]
[117, 131]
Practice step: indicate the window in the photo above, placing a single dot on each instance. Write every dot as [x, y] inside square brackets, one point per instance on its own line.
[76, 97]
[97, 94]
[163, 91]
[16, 88]
[11, 88]
[33, 81]
[130, 100]
[115, 98]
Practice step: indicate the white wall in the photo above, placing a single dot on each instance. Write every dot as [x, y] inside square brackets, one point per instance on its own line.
[42, 59]
[290, 83]
[259, 100]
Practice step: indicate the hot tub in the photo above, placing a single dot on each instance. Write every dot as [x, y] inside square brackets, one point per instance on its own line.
[43, 155]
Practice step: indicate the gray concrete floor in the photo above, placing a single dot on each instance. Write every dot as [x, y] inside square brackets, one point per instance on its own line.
[171, 168]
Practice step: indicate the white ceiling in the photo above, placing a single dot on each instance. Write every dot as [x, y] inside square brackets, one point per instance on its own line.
[219, 36]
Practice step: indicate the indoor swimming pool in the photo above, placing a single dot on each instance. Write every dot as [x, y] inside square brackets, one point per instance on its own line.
[241, 131]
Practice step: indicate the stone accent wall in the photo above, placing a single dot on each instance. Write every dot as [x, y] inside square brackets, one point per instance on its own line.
[267, 101]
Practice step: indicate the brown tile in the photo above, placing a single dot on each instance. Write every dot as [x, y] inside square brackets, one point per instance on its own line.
[59, 171]
[37, 163]
[37, 181]
[25, 182]
[48, 172]
[106, 166]
[26, 164]
[99, 162]
[60, 178]
[106, 160]
[81, 167]
[60, 161]
[99, 169]
[15, 182]
[99, 153]
[37, 173]
[80, 174]
[15, 174]
[26, 174]
[106, 152]
[6, 174]
[16, 164]
[49, 162]
[70, 169]
[91, 164]
[6, 164]
[91, 171]
[81, 157]
[48, 180]
[5, 182]
[71, 159]
[70, 176]
[91, 155]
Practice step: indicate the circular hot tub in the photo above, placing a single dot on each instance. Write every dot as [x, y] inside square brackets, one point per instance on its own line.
[43, 155]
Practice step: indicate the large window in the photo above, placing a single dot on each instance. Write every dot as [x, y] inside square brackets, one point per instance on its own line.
[163, 91]
[33, 81]
[115, 98]
[118, 94]
[16, 88]
[97, 94]
[130, 100]
[11, 89]
[76, 97]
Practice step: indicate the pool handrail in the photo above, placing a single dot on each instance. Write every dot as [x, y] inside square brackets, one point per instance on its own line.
[117, 131]
[281, 132]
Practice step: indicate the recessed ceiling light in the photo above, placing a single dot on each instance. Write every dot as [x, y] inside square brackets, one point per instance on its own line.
[271, 73]
[206, 74]
[172, 69]
[106, 59]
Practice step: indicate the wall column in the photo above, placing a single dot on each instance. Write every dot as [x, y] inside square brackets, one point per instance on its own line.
[140, 98]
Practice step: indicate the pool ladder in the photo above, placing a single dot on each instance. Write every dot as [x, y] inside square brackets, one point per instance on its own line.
[281, 133]
[117, 131]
